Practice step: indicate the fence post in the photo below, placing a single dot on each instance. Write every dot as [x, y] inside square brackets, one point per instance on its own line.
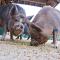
[55, 34]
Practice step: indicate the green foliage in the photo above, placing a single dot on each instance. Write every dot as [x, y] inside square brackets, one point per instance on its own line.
[1, 30]
[18, 43]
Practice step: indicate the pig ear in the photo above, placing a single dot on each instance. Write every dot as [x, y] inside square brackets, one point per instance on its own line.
[29, 17]
[14, 10]
[35, 27]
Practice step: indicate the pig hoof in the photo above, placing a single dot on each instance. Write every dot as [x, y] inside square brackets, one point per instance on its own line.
[55, 47]
[34, 43]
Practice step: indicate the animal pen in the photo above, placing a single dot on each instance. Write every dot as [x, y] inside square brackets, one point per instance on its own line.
[38, 28]
[35, 40]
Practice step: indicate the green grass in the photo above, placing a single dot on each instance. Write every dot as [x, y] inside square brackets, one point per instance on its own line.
[22, 43]
[16, 42]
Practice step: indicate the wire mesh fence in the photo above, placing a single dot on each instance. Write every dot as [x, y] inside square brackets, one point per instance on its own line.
[51, 37]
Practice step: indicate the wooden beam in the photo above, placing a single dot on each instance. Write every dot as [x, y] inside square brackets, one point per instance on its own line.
[39, 2]
[58, 1]
[31, 1]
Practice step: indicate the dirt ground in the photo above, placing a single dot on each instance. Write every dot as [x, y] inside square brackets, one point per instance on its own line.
[13, 51]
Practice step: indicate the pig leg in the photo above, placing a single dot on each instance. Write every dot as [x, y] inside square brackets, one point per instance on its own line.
[11, 34]
[55, 34]
[28, 36]
[4, 34]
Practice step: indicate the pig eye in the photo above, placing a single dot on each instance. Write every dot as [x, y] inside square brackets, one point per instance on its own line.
[21, 27]
[15, 19]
